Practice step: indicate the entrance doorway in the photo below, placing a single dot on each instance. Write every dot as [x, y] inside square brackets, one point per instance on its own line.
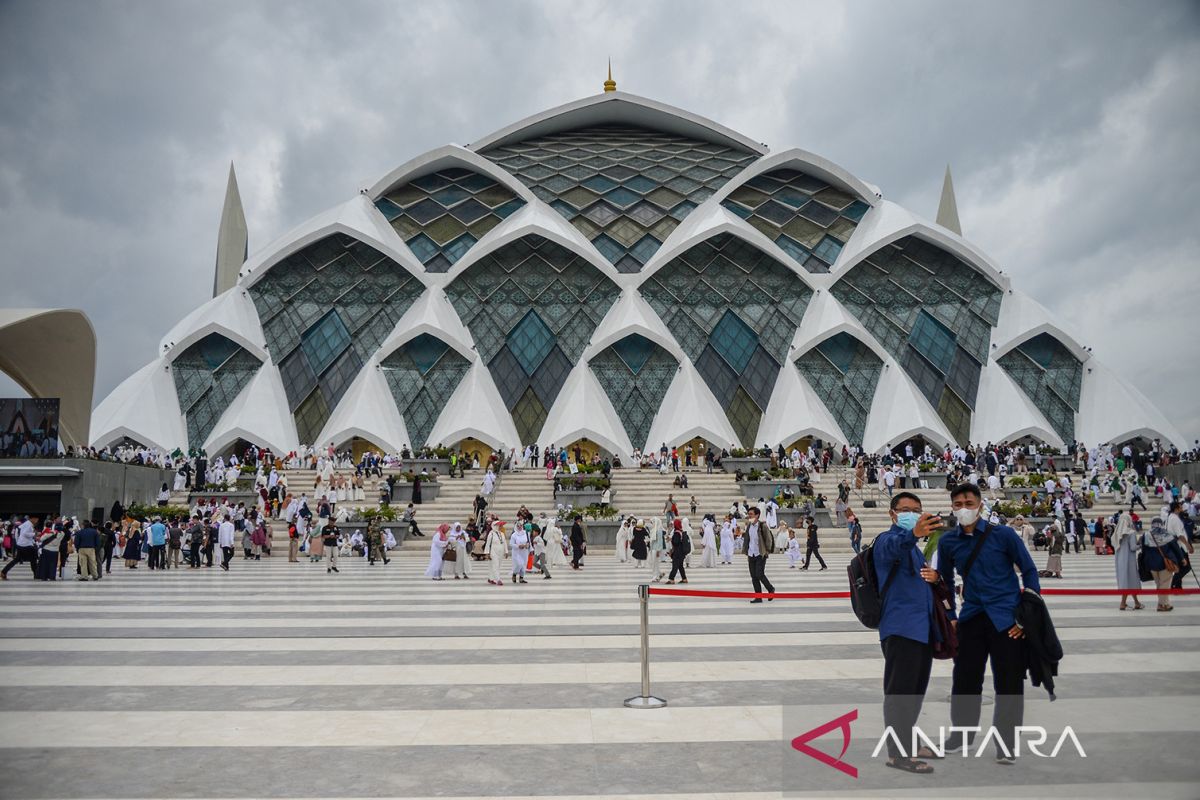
[475, 450]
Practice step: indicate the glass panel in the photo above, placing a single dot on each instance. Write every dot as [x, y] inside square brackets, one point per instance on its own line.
[734, 340]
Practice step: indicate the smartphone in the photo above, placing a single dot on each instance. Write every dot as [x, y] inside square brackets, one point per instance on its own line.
[948, 520]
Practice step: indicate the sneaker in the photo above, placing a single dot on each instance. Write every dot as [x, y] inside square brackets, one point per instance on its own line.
[1007, 761]
[335, 569]
[328, 570]
[756, 600]
[523, 581]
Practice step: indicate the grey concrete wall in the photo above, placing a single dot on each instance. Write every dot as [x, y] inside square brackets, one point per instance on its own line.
[99, 483]
[1178, 473]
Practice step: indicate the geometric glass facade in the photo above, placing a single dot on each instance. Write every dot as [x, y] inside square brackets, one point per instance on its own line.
[531, 307]
[208, 376]
[1051, 376]
[844, 373]
[624, 188]
[934, 313]
[809, 219]
[734, 310]
[324, 311]
[422, 375]
[635, 373]
[441, 215]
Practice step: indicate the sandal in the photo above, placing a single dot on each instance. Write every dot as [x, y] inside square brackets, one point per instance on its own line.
[910, 765]
[1122, 607]
[1138, 607]
[925, 752]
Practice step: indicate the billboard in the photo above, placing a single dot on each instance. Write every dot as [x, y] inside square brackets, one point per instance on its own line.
[28, 427]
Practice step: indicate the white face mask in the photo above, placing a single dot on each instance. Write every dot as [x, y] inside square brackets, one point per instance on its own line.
[966, 516]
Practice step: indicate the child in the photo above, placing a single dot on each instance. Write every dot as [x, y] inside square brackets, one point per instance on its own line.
[793, 548]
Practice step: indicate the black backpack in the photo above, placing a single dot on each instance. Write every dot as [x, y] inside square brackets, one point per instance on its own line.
[866, 595]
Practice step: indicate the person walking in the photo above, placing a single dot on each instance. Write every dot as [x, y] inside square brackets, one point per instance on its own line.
[759, 544]
[26, 549]
[906, 628]
[985, 555]
[86, 541]
[1163, 556]
[329, 536]
[813, 546]
[578, 542]
[681, 545]
[195, 537]
[375, 544]
[225, 537]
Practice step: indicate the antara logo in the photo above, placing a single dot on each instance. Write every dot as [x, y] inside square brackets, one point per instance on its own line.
[1033, 736]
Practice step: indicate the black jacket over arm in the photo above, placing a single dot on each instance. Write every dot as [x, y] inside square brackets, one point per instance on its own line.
[1043, 650]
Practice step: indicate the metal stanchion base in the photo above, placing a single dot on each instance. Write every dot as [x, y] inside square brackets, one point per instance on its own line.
[645, 702]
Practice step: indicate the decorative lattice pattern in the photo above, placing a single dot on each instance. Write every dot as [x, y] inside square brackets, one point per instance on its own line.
[208, 376]
[733, 309]
[422, 375]
[1051, 376]
[934, 313]
[439, 216]
[624, 188]
[324, 311]
[531, 307]
[635, 374]
[844, 373]
[809, 219]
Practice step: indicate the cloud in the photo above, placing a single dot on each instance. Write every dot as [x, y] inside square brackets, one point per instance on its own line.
[1069, 126]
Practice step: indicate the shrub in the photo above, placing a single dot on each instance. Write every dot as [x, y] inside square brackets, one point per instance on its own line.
[593, 511]
[145, 512]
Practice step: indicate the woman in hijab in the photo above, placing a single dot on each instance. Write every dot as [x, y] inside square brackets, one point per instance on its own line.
[458, 540]
[133, 544]
[624, 535]
[437, 549]
[496, 549]
[1125, 549]
[709, 538]
[1161, 547]
[639, 542]
[727, 537]
[555, 544]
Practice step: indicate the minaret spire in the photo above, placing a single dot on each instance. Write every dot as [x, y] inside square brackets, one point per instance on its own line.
[232, 238]
[610, 85]
[947, 213]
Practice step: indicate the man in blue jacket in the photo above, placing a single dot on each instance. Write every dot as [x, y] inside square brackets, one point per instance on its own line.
[906, 629]
[985, 555]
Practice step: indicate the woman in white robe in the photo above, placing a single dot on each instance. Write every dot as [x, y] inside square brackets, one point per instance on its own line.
[727, 541]
[687, 531]
[458, 539]
[709, 539]
[519, 545]
[781, 538]
[437, 550]
[658, 547]
[624, 537]
[553, 535]
[496, 549]
[180, 481]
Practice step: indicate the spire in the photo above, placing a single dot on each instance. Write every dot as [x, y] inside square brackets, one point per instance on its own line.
[610, 85]
[947, 214]
[232, 240]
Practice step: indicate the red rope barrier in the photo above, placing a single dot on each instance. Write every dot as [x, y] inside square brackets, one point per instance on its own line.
[846, 595]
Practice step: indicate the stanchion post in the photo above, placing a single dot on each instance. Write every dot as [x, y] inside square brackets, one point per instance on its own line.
[645, 699]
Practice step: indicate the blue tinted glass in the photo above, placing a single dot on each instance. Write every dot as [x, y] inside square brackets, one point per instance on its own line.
[505, 209]
[216, 349]
[640, 183]
[828, 249]
[933, 340]
[325, 341]
[622, 197]
[855, 210]
[389, 209]
[423, 247]
[531, 341]
[839, 350]
[456, 249]
[1041, 349]
[599, 183]
[634, 350]
[610, 248]
[734, 340]
[792, 247]
[425, 350]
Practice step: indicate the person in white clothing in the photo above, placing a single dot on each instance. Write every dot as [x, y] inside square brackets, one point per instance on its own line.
[458, 540]
[624, 538]
[727, 540]
[496, 549]
[709, 539]
[437, 550]
[793, 549]
[225, 534]
[519, 545]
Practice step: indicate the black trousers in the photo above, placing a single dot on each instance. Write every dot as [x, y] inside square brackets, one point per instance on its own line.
[226, 556]
[208, 554]
[758, 573]
[108, 551]
[810, 552]
[906, 667]
[979, 641]
[1184, 569]
[576, 555]
[194, 554]
[28, 554]
[158, 556]
[677, 566]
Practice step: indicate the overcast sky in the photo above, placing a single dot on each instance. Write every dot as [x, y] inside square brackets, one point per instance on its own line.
[1073, 131]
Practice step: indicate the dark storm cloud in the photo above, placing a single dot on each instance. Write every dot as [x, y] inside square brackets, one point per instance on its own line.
[1070, 128]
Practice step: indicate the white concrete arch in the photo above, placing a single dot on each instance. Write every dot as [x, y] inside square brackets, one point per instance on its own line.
[1022, 318]
[367, 411]
[231, 314]
[688, 410]
[432, 314]
[475, 410]
[826, 317]
[892, 223]
[145, 408]
[582, 409]
[258, 414]
[1003, 412]
[795, 411]
[1111, 409]
[447, 157]
[357, 218]
[631, 314]
[618, 108]
[809, 163]
[898, 412]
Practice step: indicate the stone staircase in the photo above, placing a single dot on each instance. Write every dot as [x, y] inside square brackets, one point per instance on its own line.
[528, 488]
[643, 493]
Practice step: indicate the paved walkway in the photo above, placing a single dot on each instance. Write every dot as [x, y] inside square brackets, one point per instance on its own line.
[278, 680]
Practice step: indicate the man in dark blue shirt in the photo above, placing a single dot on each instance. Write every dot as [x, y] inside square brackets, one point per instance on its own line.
[906, 630]
[986, 623]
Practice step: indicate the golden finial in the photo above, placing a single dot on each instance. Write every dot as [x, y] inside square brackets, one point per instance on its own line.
[610, 85]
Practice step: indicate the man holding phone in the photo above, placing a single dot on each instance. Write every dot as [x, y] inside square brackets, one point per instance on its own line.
[906, 628]
[985, 555]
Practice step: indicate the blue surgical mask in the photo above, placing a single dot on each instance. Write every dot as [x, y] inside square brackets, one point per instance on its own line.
[908, 519]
